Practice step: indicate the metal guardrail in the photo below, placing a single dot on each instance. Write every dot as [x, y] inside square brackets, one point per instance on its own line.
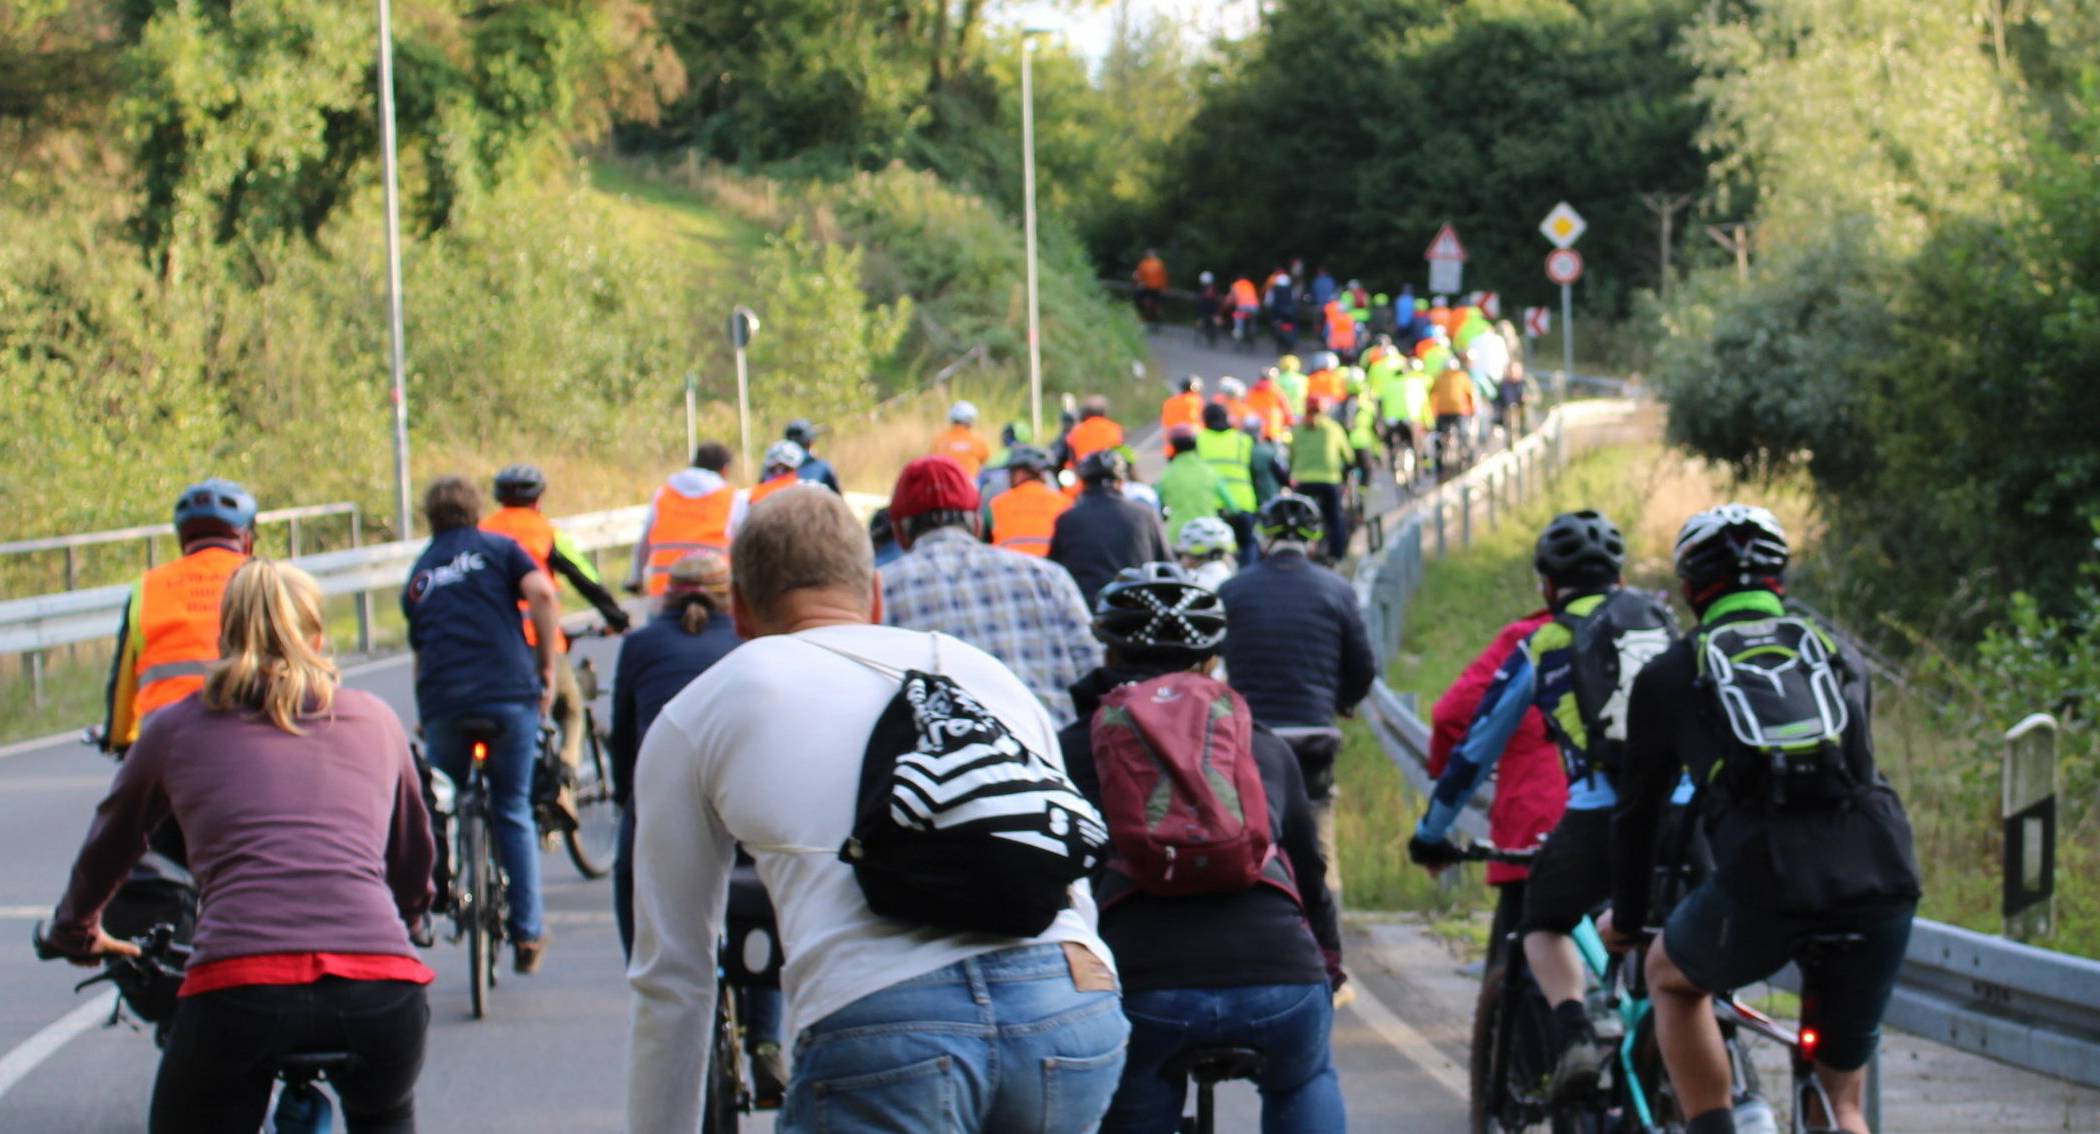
[71, 544]
[2026, 1007]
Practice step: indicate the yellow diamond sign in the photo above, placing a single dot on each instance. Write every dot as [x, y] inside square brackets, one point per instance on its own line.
[1564, 226]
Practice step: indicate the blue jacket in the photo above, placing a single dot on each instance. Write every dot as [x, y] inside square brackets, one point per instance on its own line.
[817, 470]
[1295, 642]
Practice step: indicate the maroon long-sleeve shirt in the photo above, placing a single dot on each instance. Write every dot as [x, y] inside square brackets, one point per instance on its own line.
[300, 844]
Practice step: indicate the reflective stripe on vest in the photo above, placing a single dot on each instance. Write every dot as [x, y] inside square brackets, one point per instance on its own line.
[533, 533]
[1230, 453]
[1025, 517]
[178, 620]
[683, 524]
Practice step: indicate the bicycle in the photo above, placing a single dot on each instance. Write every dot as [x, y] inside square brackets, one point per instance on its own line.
[149, 982]
[593, 838]
[1207, 1067]
[748, 959]
[472, 886]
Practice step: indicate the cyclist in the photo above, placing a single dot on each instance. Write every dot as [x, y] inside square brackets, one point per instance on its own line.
[780, 468]
[1246, 308]
[1190, 487]
[1451, 400]
[1320, 460]
[1205, 549]
[1280, 308]
[1232, 394]
[1230, 454]
[1103, 532]
[1269, 401]
[1233, 965]
[1184, 409]
[1094, 432]
[169, 633]
[1298, 652]
[472, 664]
[308, 834]
[1023, 517]
[1325, 380]
[1151, 280]
[1511, 402]
[1292, 380]
[1578, 558]
[1209, 303]
[518, 490]
[1829, 853]
[695, 509]
[991, 479]
[898, 1023]
[961, 442]
[815, 469]
[1020, 609]
[1271, 473]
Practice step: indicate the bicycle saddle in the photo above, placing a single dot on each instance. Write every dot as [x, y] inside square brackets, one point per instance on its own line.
[1820, 945]
[478, 728]
[307, 1066]
[1216, 1064]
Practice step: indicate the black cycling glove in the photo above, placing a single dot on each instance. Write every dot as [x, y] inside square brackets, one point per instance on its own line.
[1423, 852]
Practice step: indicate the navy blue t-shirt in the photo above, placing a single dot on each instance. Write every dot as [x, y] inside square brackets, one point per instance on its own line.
[463, 621]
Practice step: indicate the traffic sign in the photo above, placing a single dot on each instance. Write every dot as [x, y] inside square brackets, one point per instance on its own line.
[1538, 321]
[1564, 266]
[1490, 304]
[1564, 226]
[1446, 247]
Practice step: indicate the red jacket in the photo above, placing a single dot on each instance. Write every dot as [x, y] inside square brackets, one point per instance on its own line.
[1531, 789]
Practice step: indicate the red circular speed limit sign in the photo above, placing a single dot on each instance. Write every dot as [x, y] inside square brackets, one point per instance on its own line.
[1564, 266]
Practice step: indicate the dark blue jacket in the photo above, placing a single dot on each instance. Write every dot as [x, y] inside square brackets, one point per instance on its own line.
[656, 663]
[817, 470]
[1295, 645]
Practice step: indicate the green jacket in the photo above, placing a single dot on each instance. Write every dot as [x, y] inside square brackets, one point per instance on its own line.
[1293, 385]
[1230, 454]
[1188, 489]
[1363, 428]
[1264, 462]
[1320, 452]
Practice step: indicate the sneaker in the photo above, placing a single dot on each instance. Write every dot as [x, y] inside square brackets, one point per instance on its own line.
[526, 955]
[769, 1075]
[1581, 1065]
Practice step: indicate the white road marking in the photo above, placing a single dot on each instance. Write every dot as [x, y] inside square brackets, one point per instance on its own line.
[1411, 1044]
[30, 1053]
[23, 913]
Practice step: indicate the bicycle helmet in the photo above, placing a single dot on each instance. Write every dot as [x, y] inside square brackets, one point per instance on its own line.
[800, 431]
[1206, 535]
[1205, 278]
[1580, 546]
[785, 455]
[1232, 387]
[963, 413]
[1326, 360]
[1291, 518]
[1106, 465]
[1193, 384]
[1288, 362]
[1734, 543]
[520, 484]
[1028, 457]
[214, 507]
[1157, 612]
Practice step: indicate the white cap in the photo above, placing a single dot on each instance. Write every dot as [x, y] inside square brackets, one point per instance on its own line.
[962, 413]
[785, 455]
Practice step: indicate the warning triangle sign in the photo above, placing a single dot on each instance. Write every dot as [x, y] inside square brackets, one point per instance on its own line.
[1446, 246]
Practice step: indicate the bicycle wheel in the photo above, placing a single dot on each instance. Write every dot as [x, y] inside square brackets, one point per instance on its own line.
[596, 836]
[724, 1102]
[474, 856]
[1512, 1052]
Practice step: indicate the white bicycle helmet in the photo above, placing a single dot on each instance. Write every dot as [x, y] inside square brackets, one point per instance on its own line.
[1205, 535]
[1733, 542]
[785, 455]
[963, 413]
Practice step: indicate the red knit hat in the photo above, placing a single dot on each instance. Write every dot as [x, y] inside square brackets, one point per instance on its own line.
[931, 484]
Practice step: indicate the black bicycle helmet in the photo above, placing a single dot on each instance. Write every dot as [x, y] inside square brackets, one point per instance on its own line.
[520, 484]
[1580, 546]
[1738, 544]
[1290, 517]
[1104, 465]
[214, 508]
[1028, 457]
[800, 431]
[1157, 612]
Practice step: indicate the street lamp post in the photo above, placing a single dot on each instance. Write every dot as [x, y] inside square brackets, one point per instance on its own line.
[1035, 336]
[404, 517]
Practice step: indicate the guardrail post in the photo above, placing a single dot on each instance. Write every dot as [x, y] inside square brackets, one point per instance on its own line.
[1492, 493]
[357, 526]
[1465, 514]
[364, 622]
[73, 570]
[2029, 783]
[36, 678]
[293, 527]
[1441, 546]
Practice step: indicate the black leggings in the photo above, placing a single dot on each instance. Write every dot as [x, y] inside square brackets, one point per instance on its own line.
[217, 1072]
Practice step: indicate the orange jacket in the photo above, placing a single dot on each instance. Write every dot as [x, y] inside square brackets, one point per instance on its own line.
[1091, 436]
[1326, 385]
[1152, 273]
[1244, 297]
[683, 524]
[1180, 410]
[961, 444]
[1269, 400]
[1341, 327]
[175, 610]
[1452, 393]
[536, 536]
[1235, 408]
[1025, 516]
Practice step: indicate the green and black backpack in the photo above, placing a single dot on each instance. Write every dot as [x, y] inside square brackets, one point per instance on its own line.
[1609, 645]
[1778, 683]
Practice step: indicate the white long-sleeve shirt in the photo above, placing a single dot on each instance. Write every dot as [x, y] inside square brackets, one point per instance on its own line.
[765, 750]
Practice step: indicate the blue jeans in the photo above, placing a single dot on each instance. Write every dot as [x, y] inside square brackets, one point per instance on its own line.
[1001, 1043]
[511, 757]
[1289, 1023]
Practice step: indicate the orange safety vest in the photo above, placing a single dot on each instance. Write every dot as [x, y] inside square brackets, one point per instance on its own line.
[536, 536]
[1179, 410]
[962, 445]
[1244, 296]
[1091, 436]
[685, 524]
[1152, 273]
[176, 613]
[1237, 409]
[1341, 328]
[768, 488]
[1326, 385]
[1025, 516]
[1268, 400]
[1452, 394]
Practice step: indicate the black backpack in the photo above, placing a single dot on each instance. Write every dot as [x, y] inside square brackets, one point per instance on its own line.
[1778, 685]
[1610, 645]
[958, 825]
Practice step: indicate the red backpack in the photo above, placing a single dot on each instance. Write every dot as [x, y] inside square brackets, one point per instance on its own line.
[1183, 797]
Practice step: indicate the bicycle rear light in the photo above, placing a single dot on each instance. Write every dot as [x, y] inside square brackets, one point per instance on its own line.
[481, 752]
[1811, 1039]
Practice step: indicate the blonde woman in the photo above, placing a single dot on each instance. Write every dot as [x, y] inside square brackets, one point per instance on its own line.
[312, 851]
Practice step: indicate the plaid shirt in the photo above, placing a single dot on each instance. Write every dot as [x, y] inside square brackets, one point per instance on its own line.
[1025, 611]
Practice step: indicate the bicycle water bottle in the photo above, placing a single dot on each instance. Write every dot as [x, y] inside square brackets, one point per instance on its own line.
[1754, 1115]
[302, 1109]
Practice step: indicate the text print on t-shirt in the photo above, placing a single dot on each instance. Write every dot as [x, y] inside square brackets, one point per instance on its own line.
[445, 574]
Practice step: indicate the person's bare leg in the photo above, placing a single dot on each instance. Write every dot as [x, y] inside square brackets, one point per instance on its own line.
[1847, 1091]
[1690, 1038]
[1555, 965]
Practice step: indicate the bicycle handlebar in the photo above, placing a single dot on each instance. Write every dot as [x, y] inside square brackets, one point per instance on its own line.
[1488, 852]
